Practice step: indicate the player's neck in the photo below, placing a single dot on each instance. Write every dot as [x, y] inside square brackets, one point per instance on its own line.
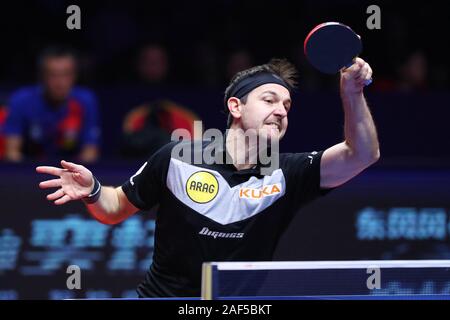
[242, 148]
[52, 102]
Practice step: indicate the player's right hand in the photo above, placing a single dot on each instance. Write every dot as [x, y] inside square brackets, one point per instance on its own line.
[74, 182]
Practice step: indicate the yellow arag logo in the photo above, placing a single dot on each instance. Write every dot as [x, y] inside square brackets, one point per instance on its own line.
[251, 193]
[202, 187]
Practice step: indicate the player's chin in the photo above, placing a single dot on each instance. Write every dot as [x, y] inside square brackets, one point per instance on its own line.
[273, 136]
[281, 135]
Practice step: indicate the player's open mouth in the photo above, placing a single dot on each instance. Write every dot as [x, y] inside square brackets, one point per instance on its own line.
[273, 125]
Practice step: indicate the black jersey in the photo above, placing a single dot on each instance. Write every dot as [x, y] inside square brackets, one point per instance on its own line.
[214, 212]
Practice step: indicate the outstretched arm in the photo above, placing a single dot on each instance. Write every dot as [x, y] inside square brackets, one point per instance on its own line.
[360, 149]
[76, 182]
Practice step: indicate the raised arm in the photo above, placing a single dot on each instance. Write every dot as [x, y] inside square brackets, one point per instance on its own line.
[75, 182]
[360, 149]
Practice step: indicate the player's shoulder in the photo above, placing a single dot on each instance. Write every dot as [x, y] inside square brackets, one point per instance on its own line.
[83, 94]
[25, 94]
[185, 150]
[161, 158]
[165, 151]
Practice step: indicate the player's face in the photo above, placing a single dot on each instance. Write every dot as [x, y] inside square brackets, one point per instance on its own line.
[59, 76]
[266, 108]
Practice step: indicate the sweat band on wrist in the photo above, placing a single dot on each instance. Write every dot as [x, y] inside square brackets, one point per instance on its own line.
[95, 194]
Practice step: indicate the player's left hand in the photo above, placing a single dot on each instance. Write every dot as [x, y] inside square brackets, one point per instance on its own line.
[356, 77]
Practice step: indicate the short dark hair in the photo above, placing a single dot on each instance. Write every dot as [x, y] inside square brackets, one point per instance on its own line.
[56, 51]
[280, 67]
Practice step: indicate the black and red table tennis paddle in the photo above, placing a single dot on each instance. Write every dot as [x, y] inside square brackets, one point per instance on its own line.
[332, 46]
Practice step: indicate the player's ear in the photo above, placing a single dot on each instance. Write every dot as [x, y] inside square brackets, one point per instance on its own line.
[234, 107]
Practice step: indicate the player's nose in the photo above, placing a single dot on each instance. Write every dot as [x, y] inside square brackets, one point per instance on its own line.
[280, 110]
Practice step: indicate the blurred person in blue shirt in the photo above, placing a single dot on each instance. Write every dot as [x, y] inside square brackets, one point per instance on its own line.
[53, 118]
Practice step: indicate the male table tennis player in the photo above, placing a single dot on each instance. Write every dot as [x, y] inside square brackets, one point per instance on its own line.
[228, 212]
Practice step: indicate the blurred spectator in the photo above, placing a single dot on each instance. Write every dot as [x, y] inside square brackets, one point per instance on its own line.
[148, 127]
[238, 61]
[413, 73]
[153, 64]
[410, 75]
[3, 113]
[54, 117]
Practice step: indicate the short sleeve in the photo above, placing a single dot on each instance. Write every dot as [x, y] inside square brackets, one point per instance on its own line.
[302, 174]
[144, 188]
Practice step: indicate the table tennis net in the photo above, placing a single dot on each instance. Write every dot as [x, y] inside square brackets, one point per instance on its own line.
[338, 279]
